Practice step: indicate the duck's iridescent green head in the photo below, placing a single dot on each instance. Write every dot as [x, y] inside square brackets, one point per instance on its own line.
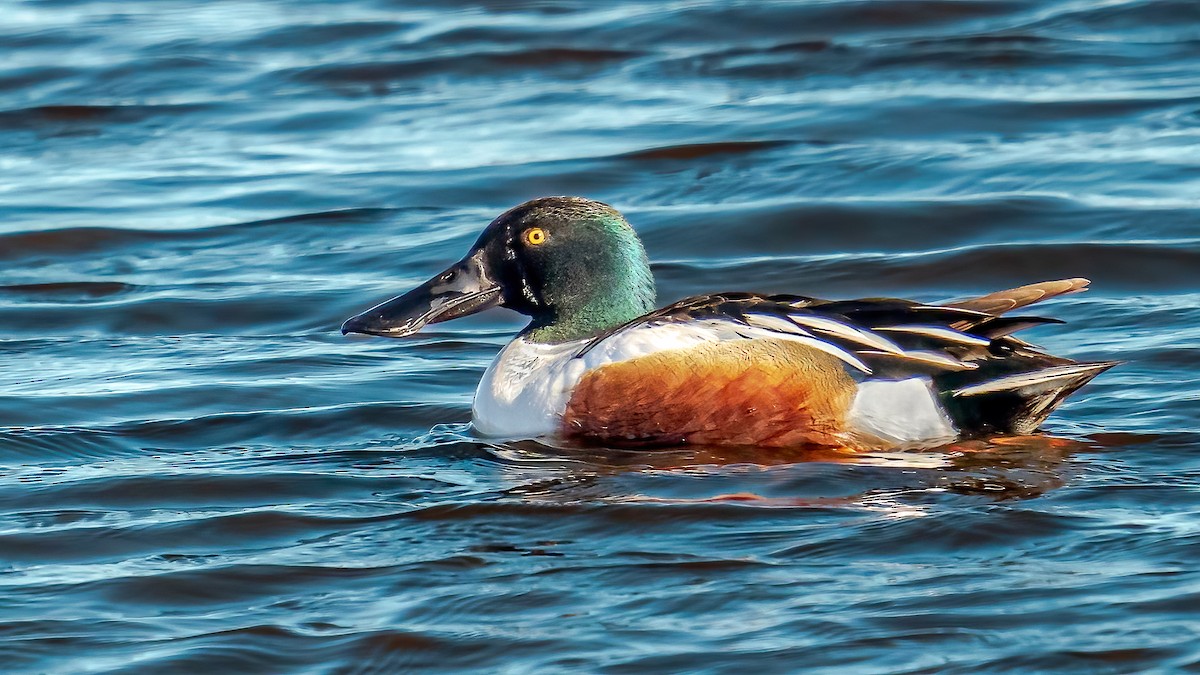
[572, 264]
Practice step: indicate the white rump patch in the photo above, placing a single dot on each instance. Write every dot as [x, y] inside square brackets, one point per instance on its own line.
[901, 413]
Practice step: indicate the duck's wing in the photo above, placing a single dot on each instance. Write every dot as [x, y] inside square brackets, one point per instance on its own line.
[987, 380]
[887, 337]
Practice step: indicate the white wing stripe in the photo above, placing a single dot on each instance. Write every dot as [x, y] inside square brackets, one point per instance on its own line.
[939, 333]
[814, 342]
[847, 332]
[775, 323]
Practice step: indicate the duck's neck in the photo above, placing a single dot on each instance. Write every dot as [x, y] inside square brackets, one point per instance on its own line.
[606, 296]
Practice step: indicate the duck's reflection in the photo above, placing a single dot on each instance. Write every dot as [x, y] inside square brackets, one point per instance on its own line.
[1001, 468]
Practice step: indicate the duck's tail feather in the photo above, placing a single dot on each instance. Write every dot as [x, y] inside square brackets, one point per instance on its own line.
[1017, 402]
[1015, 298]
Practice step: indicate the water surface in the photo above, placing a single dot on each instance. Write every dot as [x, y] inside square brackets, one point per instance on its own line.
[198, 473]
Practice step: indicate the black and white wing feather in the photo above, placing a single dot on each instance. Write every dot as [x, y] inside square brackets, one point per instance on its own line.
[877, 336]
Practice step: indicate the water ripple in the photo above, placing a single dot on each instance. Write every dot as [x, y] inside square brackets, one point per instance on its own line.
[198, 473]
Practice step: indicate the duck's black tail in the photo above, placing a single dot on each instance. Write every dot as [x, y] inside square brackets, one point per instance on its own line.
[1014, 402]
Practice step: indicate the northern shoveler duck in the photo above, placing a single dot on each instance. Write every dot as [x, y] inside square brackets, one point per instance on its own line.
[599, 363]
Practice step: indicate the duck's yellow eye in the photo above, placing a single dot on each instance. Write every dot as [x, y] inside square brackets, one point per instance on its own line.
[535, 236]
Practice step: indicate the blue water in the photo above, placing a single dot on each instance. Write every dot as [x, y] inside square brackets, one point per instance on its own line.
[199, 474]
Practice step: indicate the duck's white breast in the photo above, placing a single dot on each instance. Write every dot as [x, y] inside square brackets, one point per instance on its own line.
[524, 388]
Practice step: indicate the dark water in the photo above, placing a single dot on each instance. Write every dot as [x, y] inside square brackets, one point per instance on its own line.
[197, 473]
